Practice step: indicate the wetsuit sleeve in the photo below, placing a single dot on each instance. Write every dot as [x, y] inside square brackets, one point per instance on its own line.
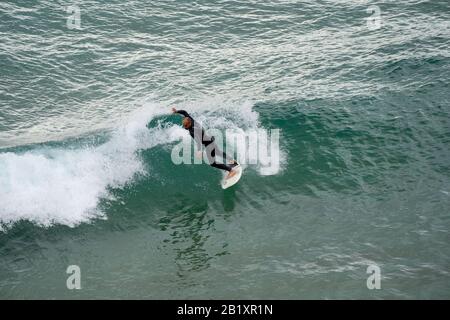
[183, 113]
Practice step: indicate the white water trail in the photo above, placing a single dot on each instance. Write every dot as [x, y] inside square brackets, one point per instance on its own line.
[60, 185]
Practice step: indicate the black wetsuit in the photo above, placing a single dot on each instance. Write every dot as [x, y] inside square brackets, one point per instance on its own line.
[200, 138]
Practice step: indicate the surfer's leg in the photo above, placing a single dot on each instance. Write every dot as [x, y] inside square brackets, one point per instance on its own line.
[211, 154]
[221, 166]
[224, 156]
[225, 167]
[212, 161]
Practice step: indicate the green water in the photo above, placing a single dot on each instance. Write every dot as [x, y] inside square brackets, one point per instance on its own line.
[86, 176]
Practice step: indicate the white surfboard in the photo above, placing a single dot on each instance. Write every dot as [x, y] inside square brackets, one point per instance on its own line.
[226, 183]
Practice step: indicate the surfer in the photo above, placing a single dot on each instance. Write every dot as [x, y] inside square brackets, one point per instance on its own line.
[200, 138]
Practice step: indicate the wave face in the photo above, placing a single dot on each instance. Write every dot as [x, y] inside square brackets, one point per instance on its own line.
[50, 185]
[86, 176]
[64, 184]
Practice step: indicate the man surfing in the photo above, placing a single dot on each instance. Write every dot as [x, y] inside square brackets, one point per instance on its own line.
[201, 139]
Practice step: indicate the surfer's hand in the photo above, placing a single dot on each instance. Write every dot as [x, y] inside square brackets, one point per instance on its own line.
[199, 154]
[174, 110]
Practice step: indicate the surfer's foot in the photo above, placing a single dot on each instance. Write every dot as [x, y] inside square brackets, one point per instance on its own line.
[231, 174]
[233, 163]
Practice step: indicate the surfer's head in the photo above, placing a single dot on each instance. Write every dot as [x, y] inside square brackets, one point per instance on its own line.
[187, 122]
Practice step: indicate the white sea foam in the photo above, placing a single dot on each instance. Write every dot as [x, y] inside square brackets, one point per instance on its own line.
[56, 185]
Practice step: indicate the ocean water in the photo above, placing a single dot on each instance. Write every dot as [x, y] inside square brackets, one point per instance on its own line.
[358, 89]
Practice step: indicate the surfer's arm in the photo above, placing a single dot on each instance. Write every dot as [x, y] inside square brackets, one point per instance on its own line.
[183, 113]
